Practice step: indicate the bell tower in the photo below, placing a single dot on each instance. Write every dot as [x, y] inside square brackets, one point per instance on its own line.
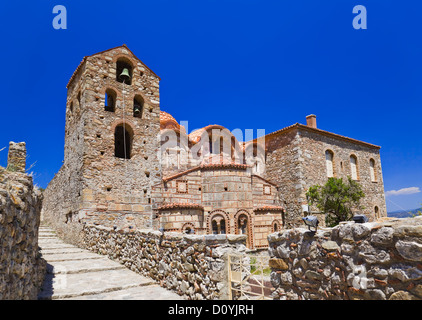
[111, 139]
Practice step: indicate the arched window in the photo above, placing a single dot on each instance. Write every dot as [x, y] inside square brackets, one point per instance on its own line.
[372, 170]
[354, 167]
[138, 106]
[110, 100]
[377, 212]
[188, 228]
[242, 224]
[218, 225]
[122, 64]
[329, 162]
[122, 141]
[276, 226]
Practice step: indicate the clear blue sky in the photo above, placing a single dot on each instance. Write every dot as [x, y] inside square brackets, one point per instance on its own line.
[239, 63]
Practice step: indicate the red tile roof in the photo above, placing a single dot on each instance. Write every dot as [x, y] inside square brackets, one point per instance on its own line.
[319, 131]
[220, 165]
[269, 208]
[180, 206]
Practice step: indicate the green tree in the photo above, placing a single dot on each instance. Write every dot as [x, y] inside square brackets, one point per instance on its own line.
[336, 199]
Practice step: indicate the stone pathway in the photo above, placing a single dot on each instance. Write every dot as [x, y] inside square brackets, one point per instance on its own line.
[77, 274]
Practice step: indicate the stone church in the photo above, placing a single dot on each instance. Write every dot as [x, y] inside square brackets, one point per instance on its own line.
[128, 164]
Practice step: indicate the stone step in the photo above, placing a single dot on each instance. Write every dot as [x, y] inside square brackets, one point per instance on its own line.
[151, 292]
[83, 266]
[61, 251]
[55, 245]
[71, 257]
[61, 286]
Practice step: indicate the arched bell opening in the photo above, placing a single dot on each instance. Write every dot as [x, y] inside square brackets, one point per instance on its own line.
[124, 71]
[138, 106]
[123, 141]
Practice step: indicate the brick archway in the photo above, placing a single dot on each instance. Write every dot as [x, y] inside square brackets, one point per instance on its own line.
[213, 215]
[239, 219]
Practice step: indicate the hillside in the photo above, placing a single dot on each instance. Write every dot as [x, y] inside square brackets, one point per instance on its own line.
[403, 213]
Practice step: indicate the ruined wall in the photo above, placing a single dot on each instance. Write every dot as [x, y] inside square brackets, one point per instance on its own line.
[191, 265]
[370, 261]
[22, 268]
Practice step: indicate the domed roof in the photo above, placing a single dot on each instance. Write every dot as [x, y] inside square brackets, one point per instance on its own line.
[167, 121]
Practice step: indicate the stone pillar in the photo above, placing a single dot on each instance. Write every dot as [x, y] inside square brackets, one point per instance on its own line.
[16, 160]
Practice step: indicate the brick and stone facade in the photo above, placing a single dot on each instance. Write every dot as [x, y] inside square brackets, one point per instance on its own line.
[128, 164]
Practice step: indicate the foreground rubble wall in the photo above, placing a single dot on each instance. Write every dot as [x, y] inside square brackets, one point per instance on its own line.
[370, 261]
[194, 266]
[22, 268]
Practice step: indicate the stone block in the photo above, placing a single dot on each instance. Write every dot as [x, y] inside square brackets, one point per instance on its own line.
[275, 263]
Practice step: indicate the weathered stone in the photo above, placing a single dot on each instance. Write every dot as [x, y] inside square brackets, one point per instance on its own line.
[275, 263]
[405, 272]
[330, 245]
[374, 294]
[313, 275]
[283, 252]
[360, 231]
[402, 295]
[409, 250]
[408, 231]
[286, 278]
[383, 236]
[418, 290]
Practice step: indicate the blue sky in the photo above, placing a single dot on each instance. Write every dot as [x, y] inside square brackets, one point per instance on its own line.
[238, 63]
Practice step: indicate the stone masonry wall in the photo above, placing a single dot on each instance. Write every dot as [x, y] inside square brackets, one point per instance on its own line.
[191, 265]
[284, 168]
[371, 261]
[22, 268]
[313, 146]
[296, 161]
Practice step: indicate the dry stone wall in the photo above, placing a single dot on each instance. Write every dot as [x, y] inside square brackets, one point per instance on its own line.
[193, 266]
[370, 261]
[22, 268]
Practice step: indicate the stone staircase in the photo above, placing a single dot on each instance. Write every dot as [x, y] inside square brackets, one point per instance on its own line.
[78, 274]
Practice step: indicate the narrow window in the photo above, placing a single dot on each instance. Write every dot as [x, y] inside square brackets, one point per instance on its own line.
[354, 167]
[329, 156]
[372, 170]
[122, 142]
[138, 106]
[110, 100]
[377, 212]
